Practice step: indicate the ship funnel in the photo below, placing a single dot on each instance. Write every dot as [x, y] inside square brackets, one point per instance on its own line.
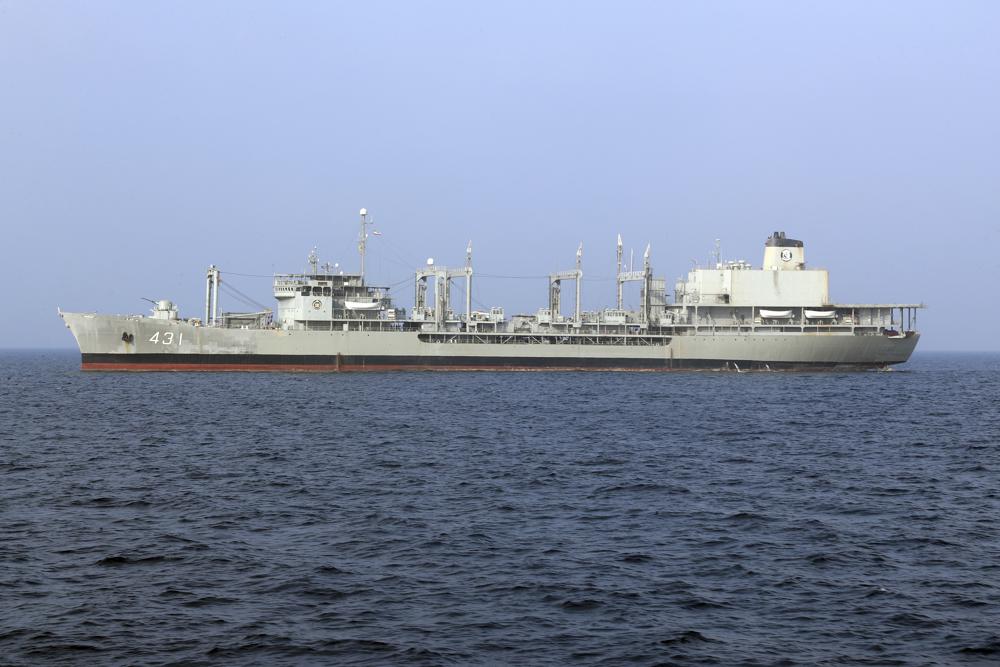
[783, 254]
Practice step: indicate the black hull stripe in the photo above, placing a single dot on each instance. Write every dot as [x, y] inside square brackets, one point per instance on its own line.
[93, 361]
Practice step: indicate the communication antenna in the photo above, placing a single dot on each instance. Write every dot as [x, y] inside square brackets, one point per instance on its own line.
[718, 254]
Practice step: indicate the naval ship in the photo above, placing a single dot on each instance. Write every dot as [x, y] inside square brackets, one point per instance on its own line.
[727, 316]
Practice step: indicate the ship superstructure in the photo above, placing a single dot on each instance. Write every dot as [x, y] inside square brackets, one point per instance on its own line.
[728, 316]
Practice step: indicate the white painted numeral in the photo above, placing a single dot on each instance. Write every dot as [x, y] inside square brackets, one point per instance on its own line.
[168, 338]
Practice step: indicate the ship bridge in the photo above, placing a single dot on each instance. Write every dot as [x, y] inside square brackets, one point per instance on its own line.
[305, 298]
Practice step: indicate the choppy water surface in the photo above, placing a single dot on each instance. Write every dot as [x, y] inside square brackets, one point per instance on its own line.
[483, 518]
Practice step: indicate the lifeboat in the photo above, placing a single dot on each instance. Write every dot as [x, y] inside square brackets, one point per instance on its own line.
[775, 314]
[362, 305]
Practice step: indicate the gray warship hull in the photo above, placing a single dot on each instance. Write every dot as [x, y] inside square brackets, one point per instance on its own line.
[728, 317]
[133, 343]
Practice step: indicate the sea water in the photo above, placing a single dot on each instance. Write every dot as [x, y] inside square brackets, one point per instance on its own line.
[500, 518]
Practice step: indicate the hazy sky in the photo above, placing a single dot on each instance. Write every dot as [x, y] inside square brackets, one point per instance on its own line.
[142, 141]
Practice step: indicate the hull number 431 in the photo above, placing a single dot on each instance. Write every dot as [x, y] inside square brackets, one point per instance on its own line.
[166, 338]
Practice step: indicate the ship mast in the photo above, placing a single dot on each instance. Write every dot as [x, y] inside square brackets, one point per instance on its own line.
[362, 241]
[579, 279]
[211, 295]
[468, 285]
[647, 283]
[618, 274]
[313, 260]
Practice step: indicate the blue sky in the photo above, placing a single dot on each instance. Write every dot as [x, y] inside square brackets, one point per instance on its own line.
[140, 142]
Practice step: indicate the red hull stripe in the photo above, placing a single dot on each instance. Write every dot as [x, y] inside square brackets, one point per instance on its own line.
[328, 368]
[334, 363]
